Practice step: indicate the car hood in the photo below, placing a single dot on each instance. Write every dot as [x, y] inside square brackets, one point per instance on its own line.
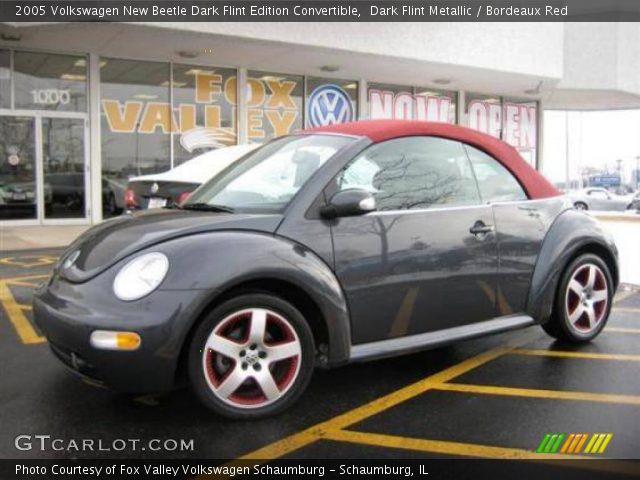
[104, 245]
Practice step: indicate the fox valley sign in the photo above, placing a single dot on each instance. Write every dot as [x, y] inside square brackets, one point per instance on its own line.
[270, 106]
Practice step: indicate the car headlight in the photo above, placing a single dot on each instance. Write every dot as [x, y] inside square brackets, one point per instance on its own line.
[140, 276]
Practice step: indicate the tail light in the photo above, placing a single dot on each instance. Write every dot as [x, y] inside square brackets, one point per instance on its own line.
[182, 197]
[130, 201]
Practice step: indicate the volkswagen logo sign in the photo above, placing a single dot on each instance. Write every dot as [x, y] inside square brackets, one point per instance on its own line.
[154, 188]
[329, 104]
[71, 259]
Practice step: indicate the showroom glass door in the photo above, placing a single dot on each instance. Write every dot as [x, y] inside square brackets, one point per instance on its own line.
[18, 168]
[44, 168]
[65, 184]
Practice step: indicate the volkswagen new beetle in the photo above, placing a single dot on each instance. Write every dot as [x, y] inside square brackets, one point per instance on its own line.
[333, 245]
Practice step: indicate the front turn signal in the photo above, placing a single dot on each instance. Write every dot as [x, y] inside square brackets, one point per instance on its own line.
[108, 340]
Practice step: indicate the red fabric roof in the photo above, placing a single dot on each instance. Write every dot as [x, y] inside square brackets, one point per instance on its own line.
[536, 185]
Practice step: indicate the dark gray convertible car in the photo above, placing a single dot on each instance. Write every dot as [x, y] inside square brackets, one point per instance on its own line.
[335, 245]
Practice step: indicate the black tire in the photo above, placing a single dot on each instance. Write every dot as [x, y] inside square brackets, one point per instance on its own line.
[581, 206]
[559, 325]
[200, 379]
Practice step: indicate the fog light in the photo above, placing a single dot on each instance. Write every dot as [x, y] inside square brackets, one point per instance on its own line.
[105, 340]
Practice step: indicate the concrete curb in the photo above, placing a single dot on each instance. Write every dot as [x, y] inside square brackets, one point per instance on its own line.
[618, 217]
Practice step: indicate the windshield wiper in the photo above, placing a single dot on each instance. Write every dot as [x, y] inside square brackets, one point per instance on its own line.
[207, 207]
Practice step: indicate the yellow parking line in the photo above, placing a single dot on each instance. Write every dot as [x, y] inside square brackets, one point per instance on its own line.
[19, 283]
[25, 279]
[621, 330]
[582, 355]
[319, 431]
[439, 446]
[22, 325]
[29, 261]
[539, 393]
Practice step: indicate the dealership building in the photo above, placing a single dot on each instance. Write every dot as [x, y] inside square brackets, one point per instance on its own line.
[86, 106]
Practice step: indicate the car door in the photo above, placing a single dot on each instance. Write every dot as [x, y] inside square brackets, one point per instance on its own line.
[599, 200]
[426, 259]
[520, 225]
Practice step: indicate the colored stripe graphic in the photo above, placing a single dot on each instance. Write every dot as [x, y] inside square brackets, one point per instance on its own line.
[574, 442]
[556, 445]
[598, 443]
[543, 443]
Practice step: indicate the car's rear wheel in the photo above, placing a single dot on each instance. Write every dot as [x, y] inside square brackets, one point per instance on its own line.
[583, 301]
[251, 357]
[581, 206]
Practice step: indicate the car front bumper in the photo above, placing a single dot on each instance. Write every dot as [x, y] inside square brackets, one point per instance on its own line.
[68, 313]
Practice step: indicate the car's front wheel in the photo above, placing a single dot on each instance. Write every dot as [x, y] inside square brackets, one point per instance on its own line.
[580, 206]
[251, 357]
[583, 301]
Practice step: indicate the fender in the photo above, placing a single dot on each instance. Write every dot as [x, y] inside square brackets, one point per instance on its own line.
[219, 261]
[569, 233]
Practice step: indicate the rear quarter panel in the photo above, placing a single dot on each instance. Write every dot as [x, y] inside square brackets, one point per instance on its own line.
[521, 228]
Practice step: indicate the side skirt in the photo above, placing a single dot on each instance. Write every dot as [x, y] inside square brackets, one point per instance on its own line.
[424, 341]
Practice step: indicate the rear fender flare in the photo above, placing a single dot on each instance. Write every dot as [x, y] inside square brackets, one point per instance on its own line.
[571, 232]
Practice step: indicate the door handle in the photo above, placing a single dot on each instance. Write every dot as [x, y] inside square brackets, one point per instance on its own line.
[480, 229]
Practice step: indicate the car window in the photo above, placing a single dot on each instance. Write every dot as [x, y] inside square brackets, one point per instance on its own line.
[413, 173]
[496, 183]
[267, 179]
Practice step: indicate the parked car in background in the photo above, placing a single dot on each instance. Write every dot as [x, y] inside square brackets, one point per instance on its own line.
[635, 202]
[250, 284]
[16, 197]
[68, 190]
[174, 186]
[597, 198]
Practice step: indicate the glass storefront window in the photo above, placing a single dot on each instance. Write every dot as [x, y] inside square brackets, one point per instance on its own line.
[45, 81]
[390, 101]
[204, 106]
[5, 79]
[63, 167]
[330, 101]
[411, 103]
[512, 120]
[435, 105]
[136, 119]
[18, 190]
[274, 105]
[520, 127]
[484, 113]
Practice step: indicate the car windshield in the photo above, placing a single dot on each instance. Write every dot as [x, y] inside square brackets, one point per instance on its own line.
[267, 180]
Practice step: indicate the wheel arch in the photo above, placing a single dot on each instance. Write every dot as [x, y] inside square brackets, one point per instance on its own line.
[571, 235]
[283, 289]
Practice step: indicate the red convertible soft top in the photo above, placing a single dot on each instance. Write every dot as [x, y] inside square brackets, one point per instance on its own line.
[532, 181]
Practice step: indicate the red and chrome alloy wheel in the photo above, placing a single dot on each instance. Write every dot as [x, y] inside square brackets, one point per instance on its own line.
[587, 298]
[252, 358]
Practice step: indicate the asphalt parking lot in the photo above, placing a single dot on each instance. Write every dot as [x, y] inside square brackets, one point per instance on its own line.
[496, 397]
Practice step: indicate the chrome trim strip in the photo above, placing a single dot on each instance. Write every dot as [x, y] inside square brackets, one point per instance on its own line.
[461, 207]
[426, 210]
[396, 346]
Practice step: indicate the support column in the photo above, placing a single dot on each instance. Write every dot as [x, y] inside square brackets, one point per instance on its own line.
[95, 157]
[462, 100]
[241, 107]
[363, 100]
[540, 136]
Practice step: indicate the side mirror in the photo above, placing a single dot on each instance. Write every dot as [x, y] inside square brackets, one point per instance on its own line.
[349, 203]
